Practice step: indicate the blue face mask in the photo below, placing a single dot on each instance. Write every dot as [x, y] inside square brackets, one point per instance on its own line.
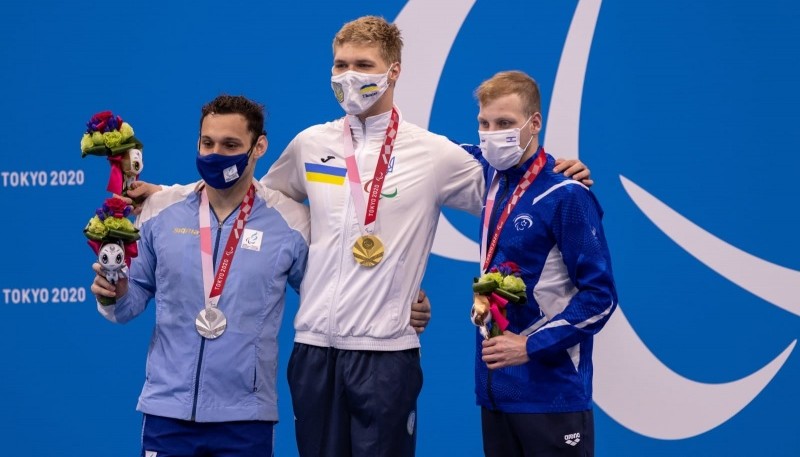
[221, 171]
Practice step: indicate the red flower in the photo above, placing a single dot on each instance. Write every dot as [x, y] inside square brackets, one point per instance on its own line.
[102, 116]
[116, 207]
[99, 122]
[509, 268]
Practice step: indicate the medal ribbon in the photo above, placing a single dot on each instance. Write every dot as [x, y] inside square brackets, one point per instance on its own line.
[530, 174]
[369, 212]
[214, 289]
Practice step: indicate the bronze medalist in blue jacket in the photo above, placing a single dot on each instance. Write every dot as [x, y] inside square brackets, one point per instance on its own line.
[555, 235]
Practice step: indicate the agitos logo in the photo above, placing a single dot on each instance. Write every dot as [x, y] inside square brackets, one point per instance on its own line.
[368, 188]
[637, 390]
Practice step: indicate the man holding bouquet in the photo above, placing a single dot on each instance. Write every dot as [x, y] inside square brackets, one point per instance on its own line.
[216, 255]
[534, 368]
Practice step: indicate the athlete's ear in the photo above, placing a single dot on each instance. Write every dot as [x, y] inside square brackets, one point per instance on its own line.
[536, 123]
[394, 72]
[261, 146]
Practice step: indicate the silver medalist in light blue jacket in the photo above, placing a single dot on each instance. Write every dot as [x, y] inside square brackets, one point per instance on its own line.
[232, 377]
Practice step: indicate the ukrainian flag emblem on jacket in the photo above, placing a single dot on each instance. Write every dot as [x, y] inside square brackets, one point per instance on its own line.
[325, 174]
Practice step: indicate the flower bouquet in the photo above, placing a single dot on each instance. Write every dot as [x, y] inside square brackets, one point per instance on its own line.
[492, 292]
[108, 135]
[112, 237]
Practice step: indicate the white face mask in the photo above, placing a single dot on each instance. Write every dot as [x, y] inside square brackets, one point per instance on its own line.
[357, 92]
[501, 147]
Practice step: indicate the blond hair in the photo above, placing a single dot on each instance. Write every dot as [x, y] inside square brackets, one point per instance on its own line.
[511, 82]
[372, 31]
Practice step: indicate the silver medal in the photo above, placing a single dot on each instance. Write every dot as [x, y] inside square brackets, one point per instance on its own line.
[211, 323]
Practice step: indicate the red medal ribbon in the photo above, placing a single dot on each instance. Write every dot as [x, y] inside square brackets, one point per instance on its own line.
[230, 246]
[531, 174]
[370, 213]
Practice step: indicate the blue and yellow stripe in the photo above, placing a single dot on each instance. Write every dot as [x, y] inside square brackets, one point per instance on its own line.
[368, 89]
[325, 174]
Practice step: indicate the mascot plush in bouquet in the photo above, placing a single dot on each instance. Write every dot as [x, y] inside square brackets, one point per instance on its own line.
[112, 237]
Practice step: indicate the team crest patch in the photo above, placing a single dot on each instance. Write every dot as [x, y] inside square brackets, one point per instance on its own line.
[338, 92]
[251, 239]
[523, 221]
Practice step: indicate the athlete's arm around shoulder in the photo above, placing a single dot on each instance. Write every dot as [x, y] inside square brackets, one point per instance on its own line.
[298, 219]
[164, 197]
[287, 174]
[140, 191]
[295, 214]
[458, 175]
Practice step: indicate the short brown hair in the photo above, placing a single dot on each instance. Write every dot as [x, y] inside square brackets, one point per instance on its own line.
[511, 82]
[372, 31]
[237, 104]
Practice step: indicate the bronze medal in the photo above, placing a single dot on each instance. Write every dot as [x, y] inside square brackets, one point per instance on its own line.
[368, 250]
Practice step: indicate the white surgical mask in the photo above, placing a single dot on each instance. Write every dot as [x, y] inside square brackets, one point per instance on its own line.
[357, 92]
[501, 147]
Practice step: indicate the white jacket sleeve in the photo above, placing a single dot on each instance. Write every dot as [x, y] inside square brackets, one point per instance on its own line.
[286, 174]
[459, 178]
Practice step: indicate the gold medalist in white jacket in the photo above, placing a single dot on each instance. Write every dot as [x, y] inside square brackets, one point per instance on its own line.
[342, 303]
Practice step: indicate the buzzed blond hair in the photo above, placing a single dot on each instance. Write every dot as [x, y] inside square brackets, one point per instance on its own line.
[372, 31]
[511, 82]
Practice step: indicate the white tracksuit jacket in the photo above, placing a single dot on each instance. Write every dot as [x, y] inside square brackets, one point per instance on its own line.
[343, 304]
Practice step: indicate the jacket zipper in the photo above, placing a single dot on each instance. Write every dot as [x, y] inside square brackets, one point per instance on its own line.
[489, 389]
[336, 291]
[499, 203]
[203, 340]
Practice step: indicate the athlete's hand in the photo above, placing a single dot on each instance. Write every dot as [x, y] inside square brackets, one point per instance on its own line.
[101, 286]
[575, 169]
[137, 193]
[420, 312]
[506, 350]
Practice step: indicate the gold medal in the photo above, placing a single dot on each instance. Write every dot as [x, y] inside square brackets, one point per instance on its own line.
[368, 250]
